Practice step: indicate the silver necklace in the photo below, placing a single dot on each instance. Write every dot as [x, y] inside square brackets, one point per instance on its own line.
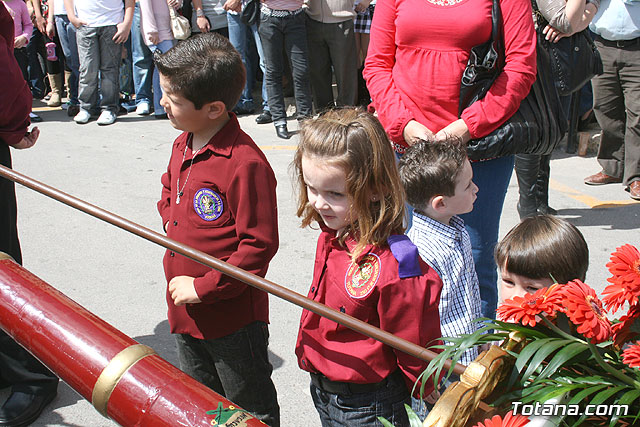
[184, 155]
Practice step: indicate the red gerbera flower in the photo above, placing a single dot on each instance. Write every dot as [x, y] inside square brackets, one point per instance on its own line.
[585, 310]
[525, 309]
[628, 329]
[631, 355]
[625, 266]
[615, 295]
[509, 420]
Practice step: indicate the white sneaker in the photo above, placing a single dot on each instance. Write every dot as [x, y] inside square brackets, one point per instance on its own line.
[143, 108]
[106, 118]
[82, 117]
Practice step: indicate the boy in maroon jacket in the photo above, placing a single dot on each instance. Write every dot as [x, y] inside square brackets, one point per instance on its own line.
[219, 197]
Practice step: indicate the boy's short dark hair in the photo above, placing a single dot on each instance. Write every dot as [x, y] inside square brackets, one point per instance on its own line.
[429, 169]
[544, 246]
[204, 68]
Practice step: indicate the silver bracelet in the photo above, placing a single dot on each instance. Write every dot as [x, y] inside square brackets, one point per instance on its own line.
[199, 12]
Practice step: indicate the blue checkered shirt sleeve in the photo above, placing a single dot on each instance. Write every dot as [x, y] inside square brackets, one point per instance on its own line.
[447, 249]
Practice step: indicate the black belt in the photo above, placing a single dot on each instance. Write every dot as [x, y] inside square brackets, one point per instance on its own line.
[620, 44]
[345, 388]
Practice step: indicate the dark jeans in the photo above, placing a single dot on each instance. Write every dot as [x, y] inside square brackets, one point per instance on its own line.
[331, 51]
[36, 48]
[235, 366]
[363, 409]
[290, 32]
[617, 109]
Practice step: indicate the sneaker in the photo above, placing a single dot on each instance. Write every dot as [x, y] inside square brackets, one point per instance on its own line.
[34, 117]
[106, 118]
[143, 108]
[82, 117]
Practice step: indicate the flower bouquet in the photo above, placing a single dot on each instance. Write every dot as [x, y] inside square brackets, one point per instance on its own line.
[576, 365]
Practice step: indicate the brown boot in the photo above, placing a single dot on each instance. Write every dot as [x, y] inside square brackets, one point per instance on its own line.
[67, 76]
[56, 88]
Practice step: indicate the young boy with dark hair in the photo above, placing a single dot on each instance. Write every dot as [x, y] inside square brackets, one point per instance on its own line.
[538, 252]
[437, 179]
[219, 197]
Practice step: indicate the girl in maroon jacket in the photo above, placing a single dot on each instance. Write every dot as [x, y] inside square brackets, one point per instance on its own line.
[364, 267]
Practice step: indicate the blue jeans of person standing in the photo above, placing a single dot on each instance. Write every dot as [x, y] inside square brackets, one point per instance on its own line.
[67, 36]
[239, 36]
[100, 60]
[235, 366]
[288, 31]
[142, 61]
[363, 409]
[483, 224]
[161, 47]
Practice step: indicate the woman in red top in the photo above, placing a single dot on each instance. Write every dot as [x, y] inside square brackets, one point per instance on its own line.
[417, 53]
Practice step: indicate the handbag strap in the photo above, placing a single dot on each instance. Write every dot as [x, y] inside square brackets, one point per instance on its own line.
[496, 32]
[172, 12]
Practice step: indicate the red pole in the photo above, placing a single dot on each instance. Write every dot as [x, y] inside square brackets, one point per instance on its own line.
[123, 379]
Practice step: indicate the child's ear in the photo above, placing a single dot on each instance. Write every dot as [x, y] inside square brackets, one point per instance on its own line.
[215, 109]
[437, 203]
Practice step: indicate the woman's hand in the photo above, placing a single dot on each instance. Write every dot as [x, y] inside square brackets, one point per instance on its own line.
[457, 130]
[174, 4]
[415, 131]
[234, 5]
[154, 38]
[203, 24]
[51, 32]
[362, 6]
[553, 35]
[20, 42]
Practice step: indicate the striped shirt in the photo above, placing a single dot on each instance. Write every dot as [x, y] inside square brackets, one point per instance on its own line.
[447, 249]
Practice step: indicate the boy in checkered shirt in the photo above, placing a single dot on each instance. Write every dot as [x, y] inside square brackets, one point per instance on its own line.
[437, 179]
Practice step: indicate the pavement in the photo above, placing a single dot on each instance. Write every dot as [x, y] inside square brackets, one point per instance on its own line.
[119, 276]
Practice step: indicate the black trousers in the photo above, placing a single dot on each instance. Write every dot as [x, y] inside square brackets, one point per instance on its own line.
[18, 368]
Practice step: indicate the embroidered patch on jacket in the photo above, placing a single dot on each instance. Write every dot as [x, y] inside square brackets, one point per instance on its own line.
[362, 277]
[208, 204]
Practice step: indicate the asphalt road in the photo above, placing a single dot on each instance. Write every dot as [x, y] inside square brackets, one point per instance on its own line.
[119, 276]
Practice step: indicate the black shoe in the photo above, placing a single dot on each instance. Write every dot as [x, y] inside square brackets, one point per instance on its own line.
[282, 131]
[242, 111]
[546, 210]
[73, 110]
[22, 409]
[161, 116]
[264, 118]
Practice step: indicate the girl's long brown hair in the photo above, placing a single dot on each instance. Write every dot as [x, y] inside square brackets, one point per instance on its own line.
[354, 140]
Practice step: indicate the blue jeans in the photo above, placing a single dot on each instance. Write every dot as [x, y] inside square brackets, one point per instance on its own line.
[290, 32]
[483, 223]
[142, 61]
[363, 409]
[100, 60]
[235, 366]
[239, 34]
[162, 47]
[67, 36]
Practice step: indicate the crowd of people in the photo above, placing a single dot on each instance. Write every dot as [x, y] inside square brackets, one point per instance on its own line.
[357, 173]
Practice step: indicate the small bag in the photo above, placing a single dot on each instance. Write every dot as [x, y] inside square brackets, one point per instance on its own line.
[537, 126]
[179, 25]
[250, 13]
[574, 61]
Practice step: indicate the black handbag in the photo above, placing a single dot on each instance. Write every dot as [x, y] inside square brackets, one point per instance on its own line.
[250, 13]
[574, 60]
[537, 126]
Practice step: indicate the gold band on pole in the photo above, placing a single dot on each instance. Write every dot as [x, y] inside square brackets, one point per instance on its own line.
[113, 372]
[4, 255]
